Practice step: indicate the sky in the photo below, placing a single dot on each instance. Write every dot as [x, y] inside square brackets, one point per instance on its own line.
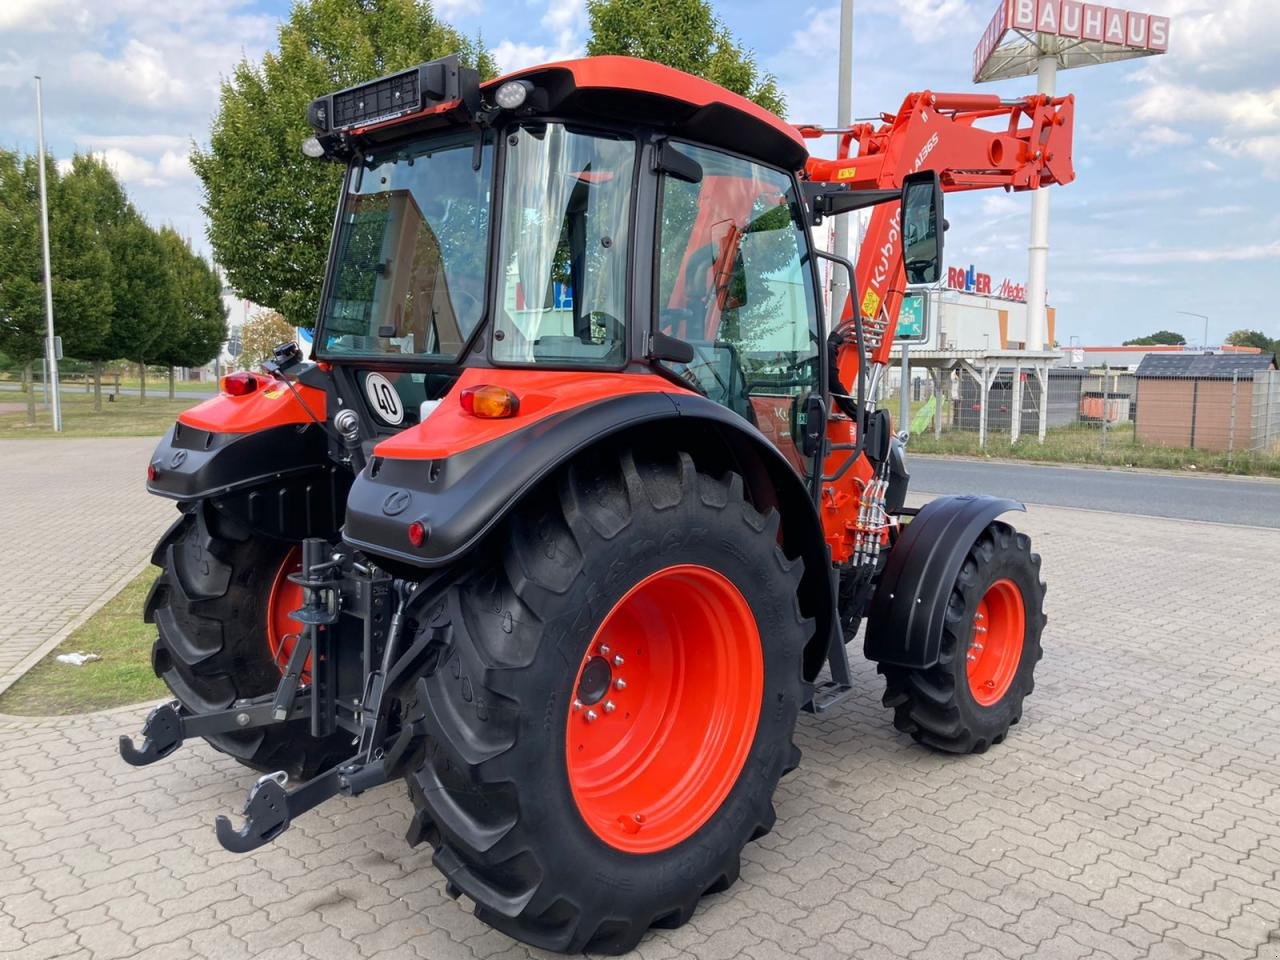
[1176, 205]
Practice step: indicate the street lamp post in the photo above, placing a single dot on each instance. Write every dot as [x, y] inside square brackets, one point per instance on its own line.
[844, 116]
[1204, 344]
[50, 349]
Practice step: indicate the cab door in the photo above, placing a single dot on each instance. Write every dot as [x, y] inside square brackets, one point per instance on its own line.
[735, 281]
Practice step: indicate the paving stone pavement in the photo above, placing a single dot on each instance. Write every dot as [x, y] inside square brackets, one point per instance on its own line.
[74, 519]
[1134, 813]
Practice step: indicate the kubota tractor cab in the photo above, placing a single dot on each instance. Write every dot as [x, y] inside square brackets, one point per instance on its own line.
[576, 495]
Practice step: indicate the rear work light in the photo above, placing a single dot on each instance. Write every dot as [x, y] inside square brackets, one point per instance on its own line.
[489, 402]
[239, 384]
[396, 95]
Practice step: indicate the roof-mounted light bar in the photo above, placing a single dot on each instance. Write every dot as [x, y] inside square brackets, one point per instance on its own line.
[396, 95]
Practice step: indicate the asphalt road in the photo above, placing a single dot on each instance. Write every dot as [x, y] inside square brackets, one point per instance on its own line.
[1218, 499]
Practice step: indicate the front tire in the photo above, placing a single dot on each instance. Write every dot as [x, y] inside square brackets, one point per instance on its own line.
[218, 610]
[569, 808]
[969, 699]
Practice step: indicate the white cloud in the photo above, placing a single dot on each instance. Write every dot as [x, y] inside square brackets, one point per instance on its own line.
[1157, 139]
[132, 81]
[1218, 80]
[452, 8]
[1217, 40]
[566, 21]
[144, 142]
[1224, 210]
[1264, 151]
[1163, 256]
[511, 56]
[134, 169]
[997, 206]
[929, 20]
[1240, 109]
[175, 165]
[128, 166]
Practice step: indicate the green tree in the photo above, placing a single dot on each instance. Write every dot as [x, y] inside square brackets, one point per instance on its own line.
[22, 320]
[144, 297]
[260, 335]
[1159, 338]
[1253, 338]
[196, 328]
[684, 34]
[86, 233]
[270, 209]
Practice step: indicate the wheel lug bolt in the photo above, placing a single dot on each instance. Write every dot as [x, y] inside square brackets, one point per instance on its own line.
[617, 661]
[591, 715]
[609, 706]
[577, 704]
[620, 684]
[604, 649]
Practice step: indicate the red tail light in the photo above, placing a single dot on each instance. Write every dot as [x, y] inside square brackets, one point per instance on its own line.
[239, 384]
[417, 533]
[152, 473]
[489, 402]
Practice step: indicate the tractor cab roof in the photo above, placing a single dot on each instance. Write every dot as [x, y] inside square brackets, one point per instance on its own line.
[609, 89]
[629, 89]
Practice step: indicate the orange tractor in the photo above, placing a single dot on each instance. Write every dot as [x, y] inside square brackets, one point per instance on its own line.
[580, 491]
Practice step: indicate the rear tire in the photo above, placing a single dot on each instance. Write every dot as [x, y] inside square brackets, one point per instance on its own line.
[494, 790]
[210, 606]
[964, 706]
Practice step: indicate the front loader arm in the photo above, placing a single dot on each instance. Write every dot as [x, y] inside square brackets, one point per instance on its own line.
[947, 134]
[939, 132]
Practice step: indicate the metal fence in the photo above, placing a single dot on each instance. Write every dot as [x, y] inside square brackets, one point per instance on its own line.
[1108, 416]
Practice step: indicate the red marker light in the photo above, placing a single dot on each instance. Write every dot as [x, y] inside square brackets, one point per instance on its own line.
[417, 533]
[489, 402]
[152, 473]
[239, 384]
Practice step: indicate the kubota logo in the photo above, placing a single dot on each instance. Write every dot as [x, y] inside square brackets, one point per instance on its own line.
[396, 502]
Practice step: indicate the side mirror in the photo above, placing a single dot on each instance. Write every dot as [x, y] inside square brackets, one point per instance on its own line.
[922, 227]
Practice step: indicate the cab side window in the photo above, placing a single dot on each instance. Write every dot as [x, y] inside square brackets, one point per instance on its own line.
[734, 282]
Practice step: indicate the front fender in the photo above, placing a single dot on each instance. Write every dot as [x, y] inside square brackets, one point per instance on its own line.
[905, 619]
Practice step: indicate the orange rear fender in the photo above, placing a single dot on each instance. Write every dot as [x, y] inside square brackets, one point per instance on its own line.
[450, 429]
[271, 405]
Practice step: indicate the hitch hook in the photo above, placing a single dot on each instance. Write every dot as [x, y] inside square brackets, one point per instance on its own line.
[161, 735]
[266, 816]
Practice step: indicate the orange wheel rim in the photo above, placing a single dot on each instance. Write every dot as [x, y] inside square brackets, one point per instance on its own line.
[282, 629]
[995, 645]
[664, 709]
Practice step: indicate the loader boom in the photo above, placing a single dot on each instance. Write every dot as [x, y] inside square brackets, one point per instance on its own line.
[939, 132]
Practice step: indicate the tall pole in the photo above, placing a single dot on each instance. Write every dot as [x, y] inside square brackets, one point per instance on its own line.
[50, 344]
[844, 117]
[1204, 344]
[1038, 270]
[904, 401]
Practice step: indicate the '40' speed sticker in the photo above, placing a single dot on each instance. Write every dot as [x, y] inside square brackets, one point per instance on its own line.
[383, 398]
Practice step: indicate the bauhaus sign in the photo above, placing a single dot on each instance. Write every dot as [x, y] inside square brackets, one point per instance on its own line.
[1090, 21]
[1098, 29]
